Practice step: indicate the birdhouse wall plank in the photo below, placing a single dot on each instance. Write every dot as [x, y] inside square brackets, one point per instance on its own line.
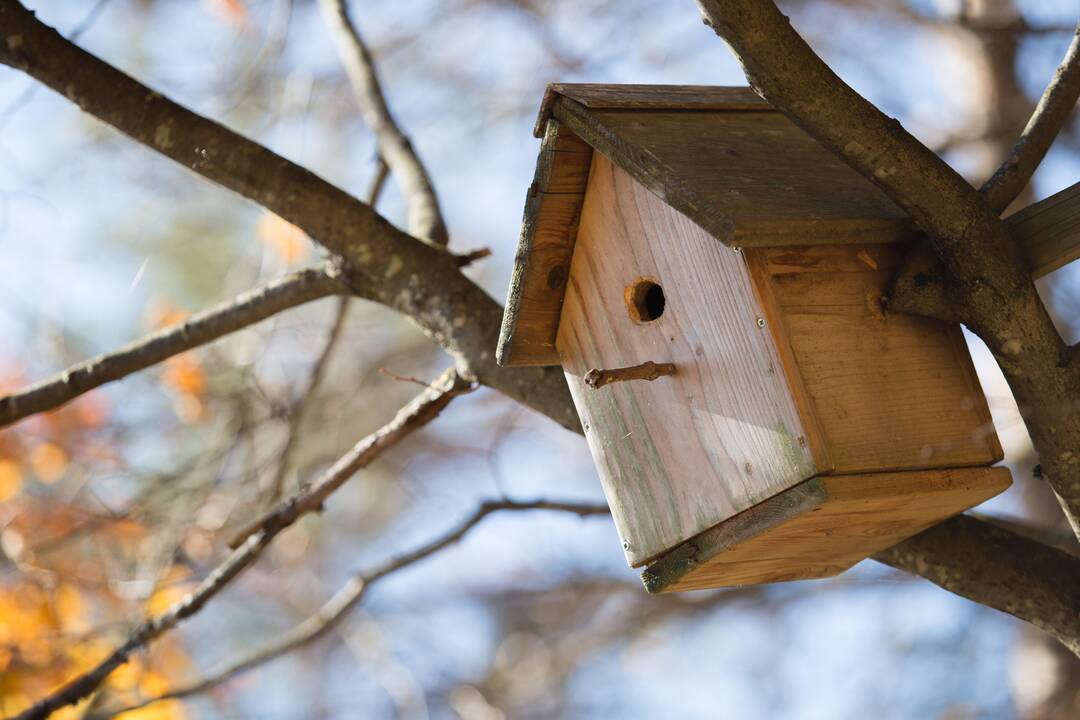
[889, 391]
[822, 527]
[681, 453]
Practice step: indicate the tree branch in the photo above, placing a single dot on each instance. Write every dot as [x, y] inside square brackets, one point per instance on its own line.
[998, 568]
[345, 599]
[388, 265]
[987, 277]
[247, 309]
[413, 416]
[425, 217]
[1050, 115]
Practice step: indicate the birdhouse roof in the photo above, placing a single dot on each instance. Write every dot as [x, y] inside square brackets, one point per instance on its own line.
[722, 156]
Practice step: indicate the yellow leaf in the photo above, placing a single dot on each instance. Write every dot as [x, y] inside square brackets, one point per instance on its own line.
[48, 461]
[125, 677]
[285, 239]
[71, 609]
[10, 479]
[161, 710]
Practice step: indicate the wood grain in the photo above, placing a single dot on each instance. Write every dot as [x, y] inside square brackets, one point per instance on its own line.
[821, 527]
[549, 228]
[888, 391]
[667, 97]
[681, 453]
[1049, 231]
[748, 178]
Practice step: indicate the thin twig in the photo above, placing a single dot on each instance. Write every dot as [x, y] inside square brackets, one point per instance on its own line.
[346, 598]
[318, 370]
[247, 309]
[425, 217]
[413, 416]
[422, 410]
[1051, 113]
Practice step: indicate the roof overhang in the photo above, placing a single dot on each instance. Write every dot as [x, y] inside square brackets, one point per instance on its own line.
[722, 156]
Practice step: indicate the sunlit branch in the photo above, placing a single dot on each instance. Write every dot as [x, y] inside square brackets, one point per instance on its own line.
[345, 599]
[1054, 108]
[422, 410]
[246, 309]
[425, 217]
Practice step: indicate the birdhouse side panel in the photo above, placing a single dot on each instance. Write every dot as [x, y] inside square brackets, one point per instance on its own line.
[889, 391]
[683, 452]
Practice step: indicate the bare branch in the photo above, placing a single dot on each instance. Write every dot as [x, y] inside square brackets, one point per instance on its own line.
[345, 599]
[988, 280]
[300, 405]
[998, 568]
[424, 408]
[413, 416]
[425, 217]
[247, 309]
[1054, 107]
[382, 262]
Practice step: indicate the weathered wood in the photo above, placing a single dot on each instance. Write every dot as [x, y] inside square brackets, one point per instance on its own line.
[889, 392]
[821, 527]
[748, 178]
[678, 455]
[537, 286]
[1049, 231]
[637, 97]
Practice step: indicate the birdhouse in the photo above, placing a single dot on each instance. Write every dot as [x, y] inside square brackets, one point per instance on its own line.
[711, 279]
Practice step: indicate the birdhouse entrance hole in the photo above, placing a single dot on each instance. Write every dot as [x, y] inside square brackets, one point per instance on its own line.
[645, 300]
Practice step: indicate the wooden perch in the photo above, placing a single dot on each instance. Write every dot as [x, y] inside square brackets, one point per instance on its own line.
[645, 371]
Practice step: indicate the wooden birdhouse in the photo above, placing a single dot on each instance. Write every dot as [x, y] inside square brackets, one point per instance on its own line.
[711, 281]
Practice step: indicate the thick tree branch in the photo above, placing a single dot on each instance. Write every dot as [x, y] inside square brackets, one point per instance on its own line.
[995, 567]
[246, 309]
[345, 599]
[413, 416]
[425, 217]
[391, 267]
[987, 278]
[1051, 113]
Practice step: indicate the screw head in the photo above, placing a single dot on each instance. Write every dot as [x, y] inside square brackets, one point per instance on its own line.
[736, 248]
[625, 545]
[761, 322]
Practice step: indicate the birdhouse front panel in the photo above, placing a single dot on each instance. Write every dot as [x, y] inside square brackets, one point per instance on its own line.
[683, 452]
[713, 283]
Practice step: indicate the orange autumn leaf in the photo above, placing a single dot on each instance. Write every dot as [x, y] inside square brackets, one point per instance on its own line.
[49, 462]
[160, 313]
[289, 242]
[184, 374]
[10, 479]
[232, 11]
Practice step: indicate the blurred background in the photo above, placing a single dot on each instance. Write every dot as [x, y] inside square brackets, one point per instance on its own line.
[114, 505]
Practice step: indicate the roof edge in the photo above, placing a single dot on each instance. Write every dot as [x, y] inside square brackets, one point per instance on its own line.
[649, 97]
